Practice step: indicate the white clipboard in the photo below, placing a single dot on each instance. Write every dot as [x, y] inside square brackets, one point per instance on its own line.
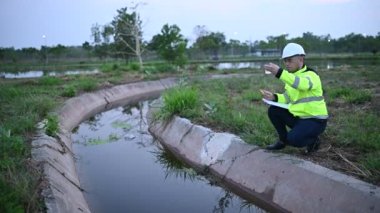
[285, 106]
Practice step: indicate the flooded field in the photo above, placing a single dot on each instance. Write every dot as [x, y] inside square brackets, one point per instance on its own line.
[317, 64]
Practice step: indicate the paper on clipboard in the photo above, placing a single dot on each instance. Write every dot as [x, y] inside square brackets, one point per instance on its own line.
[285, 106]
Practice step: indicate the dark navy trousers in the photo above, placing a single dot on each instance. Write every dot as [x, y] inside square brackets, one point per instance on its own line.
[303, 131]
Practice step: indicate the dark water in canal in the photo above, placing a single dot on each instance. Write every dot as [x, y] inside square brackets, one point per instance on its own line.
[123, 169]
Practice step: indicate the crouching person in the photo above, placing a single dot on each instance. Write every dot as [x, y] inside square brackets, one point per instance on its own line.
[307, 113]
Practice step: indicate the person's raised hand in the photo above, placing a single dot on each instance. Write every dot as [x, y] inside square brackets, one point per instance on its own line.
[271, 67]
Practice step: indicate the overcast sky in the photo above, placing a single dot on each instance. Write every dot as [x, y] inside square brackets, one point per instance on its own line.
[68, 22]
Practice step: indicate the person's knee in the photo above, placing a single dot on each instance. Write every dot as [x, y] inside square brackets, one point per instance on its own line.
[294, 140]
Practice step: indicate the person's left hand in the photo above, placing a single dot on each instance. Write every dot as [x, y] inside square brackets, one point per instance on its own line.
[273, 68]
[267, 94]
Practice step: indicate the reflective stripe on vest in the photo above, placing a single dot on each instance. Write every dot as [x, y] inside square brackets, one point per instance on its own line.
[310, 82]
[317, 117]
[287, 98]
[296, 82]
[308, 99]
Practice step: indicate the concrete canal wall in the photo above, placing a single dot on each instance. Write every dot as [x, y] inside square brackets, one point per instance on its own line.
[276, 182]
[62, 191]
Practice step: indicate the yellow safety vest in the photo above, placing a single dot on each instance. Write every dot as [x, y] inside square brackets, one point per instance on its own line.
[303, 93]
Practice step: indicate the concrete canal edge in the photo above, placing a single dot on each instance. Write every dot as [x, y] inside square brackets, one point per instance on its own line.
[62, 191]
[275, 182]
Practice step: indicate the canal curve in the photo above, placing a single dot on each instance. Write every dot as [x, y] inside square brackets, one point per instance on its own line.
[281, 183]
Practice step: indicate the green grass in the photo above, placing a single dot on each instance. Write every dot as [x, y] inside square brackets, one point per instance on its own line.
[134, 66]
[234, 105]
[227, 105]
[350, 95]
[111, 67]
[357, 129]
[49, 81]
[86, 84]
[22, 106]
[237, 107]
[51, 125]
[69, 91]
[180, 101]
[372, 164]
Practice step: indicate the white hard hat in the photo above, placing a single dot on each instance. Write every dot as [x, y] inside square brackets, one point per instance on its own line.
[292, 49]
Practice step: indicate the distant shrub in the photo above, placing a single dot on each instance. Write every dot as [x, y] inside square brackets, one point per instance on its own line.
[165, 67]
[115, 66]
[134, 66]
[109, 67]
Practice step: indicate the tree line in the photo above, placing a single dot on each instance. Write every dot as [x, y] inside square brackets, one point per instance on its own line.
[122, 38]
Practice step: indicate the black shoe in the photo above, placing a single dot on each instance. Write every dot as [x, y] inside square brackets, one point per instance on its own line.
[276, 146]
[313, 147]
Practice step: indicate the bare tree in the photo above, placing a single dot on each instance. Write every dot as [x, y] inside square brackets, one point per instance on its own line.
[128, 33]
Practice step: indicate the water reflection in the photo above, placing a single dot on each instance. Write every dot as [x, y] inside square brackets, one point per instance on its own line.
[317, 64]
[130, 172]
[172, 166]
[240, 65]
[226, 199]
[41, 73]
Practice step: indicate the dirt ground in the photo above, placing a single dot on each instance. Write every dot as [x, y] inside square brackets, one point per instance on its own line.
[338, 159]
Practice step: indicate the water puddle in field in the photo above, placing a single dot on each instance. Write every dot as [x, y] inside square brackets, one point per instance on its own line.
[40, 73]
